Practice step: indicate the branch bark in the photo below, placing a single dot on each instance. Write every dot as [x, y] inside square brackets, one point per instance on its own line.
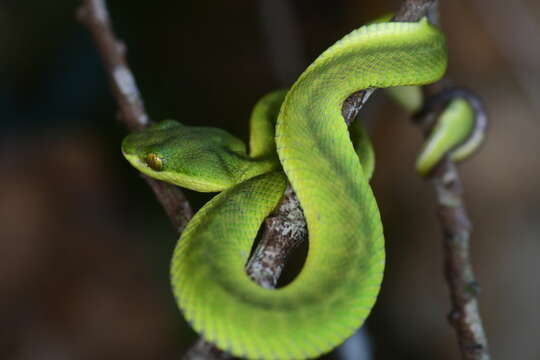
[95, 16]
[456, 229]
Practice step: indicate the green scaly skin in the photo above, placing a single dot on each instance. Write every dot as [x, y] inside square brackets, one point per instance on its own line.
[338, 285]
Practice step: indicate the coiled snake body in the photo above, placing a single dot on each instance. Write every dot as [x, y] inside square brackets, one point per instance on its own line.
[312, 149]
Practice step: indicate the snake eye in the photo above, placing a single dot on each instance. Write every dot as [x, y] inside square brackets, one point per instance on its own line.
[154, 162]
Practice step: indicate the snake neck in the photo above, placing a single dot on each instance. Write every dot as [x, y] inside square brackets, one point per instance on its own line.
[257, 166]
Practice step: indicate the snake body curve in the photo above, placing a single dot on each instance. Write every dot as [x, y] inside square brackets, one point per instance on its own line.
[341, 277]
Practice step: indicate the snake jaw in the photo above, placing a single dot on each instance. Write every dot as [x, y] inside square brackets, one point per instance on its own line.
[140, 163]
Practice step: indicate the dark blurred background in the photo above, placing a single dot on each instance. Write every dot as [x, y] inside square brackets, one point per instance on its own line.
[85, 248]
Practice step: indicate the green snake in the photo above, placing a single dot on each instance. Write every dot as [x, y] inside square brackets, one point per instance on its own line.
[297, 136]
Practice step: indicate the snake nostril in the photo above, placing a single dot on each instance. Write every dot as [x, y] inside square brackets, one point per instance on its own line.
[154, 162]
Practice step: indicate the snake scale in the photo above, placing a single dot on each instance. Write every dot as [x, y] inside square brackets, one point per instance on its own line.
[297, 136]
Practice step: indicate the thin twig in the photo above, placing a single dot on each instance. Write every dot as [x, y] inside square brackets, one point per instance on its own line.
[95, 16]
[456, 230]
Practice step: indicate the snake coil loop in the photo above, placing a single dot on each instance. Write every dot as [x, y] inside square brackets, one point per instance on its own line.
[442, 112]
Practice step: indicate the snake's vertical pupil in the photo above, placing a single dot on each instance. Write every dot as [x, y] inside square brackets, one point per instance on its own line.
[154, 162]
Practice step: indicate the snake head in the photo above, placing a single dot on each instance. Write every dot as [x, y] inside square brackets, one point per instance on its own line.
[199, 158]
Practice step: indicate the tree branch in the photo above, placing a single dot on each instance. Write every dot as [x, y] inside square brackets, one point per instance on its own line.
[94, 15]
[413, 10]
[284, 230]
[456, 230]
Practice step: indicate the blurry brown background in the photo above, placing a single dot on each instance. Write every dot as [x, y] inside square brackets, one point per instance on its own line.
[84, 247]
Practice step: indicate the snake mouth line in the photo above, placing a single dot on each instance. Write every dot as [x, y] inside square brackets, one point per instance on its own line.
[137, 161]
